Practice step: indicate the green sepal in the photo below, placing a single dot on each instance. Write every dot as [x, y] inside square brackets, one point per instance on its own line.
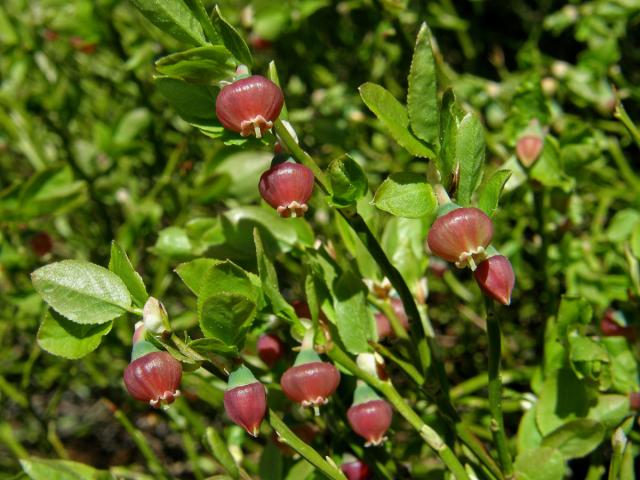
[364, 393]
[446, 208]
[241, 377]
[141, 348]
[307, 356]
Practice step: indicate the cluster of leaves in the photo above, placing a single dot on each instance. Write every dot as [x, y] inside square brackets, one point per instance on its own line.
[112, 148]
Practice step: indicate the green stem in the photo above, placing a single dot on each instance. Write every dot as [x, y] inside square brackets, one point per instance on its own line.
[301, 156]
[495, 390]
[623, 165]
[306, 451]
[427, 357]
[621, 114]
[429, 435]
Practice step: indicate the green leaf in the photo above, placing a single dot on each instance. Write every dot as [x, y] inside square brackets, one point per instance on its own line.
[588, 358]
[174, 18]
[406, 194]
[490, 192]
[206, 65]
[563, 398]
[394, 117]
[353, 318]
[271, 463]
[192, 273]
[226, 303]
[470, 152]
[623, 366]
[269, 279]
[173, 242]
[549, 170]
[451, 115]
[120, 265]
[218, 447]
[573, 311]
[226, 317]
[68, 339]
[45, 469]
[422, 97]
[542, 463]
[610, 410]
[49, 191]
[81, 291]
[194, 103]
[576, 439]
[203, 346]
[622, 225]
[529, 436]
[348, 180]
[198, 9]
[231, 38]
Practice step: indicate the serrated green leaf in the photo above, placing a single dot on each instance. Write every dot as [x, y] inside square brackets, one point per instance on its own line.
[406, 195]
[470, 153]
[394, 117]
[81, 291]
[174, 18]
[348, 181]
[422, 96]
[209, 64]
[120, 264]
[68, 339]
[231, 38]
[489, 195]
[193, 273]
[226, 317]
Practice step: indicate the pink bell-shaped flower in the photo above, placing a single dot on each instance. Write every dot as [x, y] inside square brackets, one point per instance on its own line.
[287, 187]
[496, 278]
[270, 349]
[461, 236]
[310, 381]
[355, 469]
[245, 400]
[249, 105]
[369, 416]
[153, 377]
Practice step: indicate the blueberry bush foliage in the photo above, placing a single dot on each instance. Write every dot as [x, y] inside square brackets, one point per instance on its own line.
[454, 146]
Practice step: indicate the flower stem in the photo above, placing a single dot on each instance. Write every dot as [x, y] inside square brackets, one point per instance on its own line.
[429, 435]
[495, 390]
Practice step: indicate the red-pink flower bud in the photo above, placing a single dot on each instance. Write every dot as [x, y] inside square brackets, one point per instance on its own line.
[612, 328]
[310, 383]
[528, 149]
[249, 105]
[287, 187]
[369, 416]
[245, 400]
[460, 235]
[41, 243]
[371, 420]
[270, 349]
[496, 278]
[154, 378]
[356, 470]
[634, 401]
